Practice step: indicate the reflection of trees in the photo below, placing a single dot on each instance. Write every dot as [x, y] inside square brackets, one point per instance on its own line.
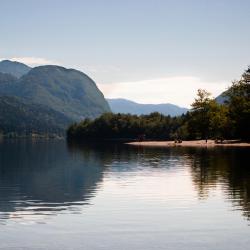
[228, 167]
[51, 176]
[209, 167]
[126, 158]
[41, 177]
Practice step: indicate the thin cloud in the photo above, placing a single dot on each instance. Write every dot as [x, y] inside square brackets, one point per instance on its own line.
[32, 61]
[177, 90]
[104, 69]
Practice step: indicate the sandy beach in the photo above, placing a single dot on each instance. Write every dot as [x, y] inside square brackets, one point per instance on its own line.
[197, 143]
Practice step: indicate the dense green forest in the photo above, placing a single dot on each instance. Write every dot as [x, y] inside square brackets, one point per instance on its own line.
[126, 126]
[208, 118]
[20, 117]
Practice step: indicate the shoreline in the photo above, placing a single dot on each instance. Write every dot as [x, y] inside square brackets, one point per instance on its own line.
[196, 143]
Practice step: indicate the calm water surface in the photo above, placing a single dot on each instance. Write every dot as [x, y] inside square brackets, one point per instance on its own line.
[59, 196]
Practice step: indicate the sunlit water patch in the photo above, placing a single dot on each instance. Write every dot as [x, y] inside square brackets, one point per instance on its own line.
[59, 196]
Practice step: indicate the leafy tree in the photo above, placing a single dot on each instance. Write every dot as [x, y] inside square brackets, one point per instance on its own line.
[199, 122]
[239, 106]
[126, 126]
[218, 121]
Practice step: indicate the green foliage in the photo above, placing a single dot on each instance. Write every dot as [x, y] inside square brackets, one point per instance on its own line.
[200, 115]
[227, 119]
[239, 108]
[67, 91]
[207, 119]
[46, 99]
[125, 126]
[19, 117]
[218, 121]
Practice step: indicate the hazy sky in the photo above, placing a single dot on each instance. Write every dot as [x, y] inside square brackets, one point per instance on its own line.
[144, 50]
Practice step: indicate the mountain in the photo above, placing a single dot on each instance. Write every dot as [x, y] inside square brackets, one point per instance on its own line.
[67, 91]
[222, 98]
[7, 78]
[126, 106]
[16, 69]
[20, 116]
[47, 99]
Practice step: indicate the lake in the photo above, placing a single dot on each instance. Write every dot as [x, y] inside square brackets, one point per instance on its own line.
[59, 196]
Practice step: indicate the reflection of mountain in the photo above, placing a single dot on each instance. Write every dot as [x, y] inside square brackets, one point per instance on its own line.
[47, 177]
[41, 176]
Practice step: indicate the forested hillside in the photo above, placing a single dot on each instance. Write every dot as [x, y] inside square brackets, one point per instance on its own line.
[55, 95]
[22, 117]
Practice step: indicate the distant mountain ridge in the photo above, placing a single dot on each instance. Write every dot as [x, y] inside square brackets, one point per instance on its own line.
[16, 69]
[65, 93]
[126, 106]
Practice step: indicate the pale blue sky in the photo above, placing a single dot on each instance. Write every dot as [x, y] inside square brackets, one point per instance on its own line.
[164, 46]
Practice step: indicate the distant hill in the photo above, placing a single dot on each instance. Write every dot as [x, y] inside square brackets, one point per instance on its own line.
[7, 78]
[127, 106]
[65, 93]
[222, 98]
[20, 116]
[16, 69]
[68, 91]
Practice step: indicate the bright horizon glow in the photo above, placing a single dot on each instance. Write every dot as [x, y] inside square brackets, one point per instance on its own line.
[180, 91]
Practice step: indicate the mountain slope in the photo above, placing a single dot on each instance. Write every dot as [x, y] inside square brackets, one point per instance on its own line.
[16, 69]
[21, 117]
[67, 91]
[126, 106]
[222, 98]
[7, 78]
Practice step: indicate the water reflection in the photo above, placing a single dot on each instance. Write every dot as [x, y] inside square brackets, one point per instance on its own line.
[227, 167]
[210, 168]
[42, 177]
[51, 177]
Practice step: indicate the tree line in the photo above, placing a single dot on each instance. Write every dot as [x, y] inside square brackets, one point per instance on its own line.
[229, 119]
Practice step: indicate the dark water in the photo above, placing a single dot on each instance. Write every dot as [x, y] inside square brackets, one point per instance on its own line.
[59, 196]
